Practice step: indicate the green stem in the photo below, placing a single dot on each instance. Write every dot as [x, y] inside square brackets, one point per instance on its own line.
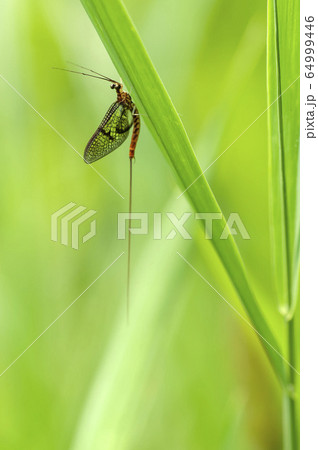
[290, 429]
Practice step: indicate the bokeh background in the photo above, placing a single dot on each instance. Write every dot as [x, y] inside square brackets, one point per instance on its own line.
[187, 372]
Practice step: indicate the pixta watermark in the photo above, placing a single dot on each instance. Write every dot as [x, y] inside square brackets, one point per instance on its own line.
[232, 226]
[66, 222]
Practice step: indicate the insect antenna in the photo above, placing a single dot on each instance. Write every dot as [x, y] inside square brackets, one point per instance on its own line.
[93, 71]
[83, 73]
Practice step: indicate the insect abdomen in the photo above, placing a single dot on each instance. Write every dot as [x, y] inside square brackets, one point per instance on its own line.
[135, 133]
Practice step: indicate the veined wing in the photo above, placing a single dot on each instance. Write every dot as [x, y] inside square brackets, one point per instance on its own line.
[110, 134]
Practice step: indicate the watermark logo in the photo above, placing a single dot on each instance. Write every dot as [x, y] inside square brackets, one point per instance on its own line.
[232, 226]
[69, 225]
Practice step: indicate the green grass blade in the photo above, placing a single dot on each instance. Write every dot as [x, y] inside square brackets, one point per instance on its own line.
[283, 115]
[283, 120]
[124, 45]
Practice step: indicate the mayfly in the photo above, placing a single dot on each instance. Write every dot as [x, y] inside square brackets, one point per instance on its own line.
[110, 134]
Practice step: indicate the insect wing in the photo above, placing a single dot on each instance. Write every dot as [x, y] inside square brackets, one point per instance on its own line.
[110, 134]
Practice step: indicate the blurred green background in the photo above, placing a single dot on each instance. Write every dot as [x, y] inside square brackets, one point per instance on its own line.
[187, 373]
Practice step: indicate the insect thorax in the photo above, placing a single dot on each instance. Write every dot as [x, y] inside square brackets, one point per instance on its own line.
[125, 98]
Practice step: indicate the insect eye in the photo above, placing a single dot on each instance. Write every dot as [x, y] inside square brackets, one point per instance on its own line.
[113, 86]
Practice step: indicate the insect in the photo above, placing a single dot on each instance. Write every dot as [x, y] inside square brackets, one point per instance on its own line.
[115, 126]
[110, 134]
